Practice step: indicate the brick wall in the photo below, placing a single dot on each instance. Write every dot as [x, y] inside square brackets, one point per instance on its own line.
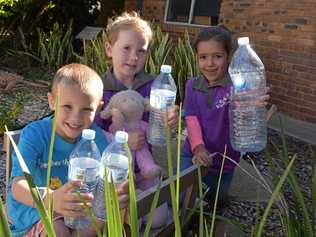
[283, 33]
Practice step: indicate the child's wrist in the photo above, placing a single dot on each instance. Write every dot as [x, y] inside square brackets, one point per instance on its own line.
[198, 148]
[44, 193]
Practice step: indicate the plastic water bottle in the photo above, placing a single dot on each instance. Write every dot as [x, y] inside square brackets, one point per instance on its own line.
[162, 97]
[84, 165]
[248, 128]
[116, 160]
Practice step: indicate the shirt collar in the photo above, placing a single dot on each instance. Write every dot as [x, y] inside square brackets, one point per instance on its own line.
[110, 82]
[201, 84]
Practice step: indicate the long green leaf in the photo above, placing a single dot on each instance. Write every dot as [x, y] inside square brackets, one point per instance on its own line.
[274, 196]
[132, 196]
[152, 209]
[34, 191]
[4, 226]
[172, 185]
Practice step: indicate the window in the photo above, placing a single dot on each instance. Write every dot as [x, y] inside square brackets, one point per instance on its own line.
[197, 12]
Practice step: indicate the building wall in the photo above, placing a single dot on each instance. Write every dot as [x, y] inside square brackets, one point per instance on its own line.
[283, 33]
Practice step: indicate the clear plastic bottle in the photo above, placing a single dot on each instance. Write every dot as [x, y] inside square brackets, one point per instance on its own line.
[162, 97]
[84, 165]
[248, 128]
[116, 160]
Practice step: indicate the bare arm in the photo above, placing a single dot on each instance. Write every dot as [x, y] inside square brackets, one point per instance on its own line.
[64, 201]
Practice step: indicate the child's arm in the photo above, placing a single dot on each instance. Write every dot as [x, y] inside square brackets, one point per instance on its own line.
[201, 155]
[64, 202]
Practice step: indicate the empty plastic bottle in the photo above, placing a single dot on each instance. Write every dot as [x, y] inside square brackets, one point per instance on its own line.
[248, 128]
[162, 97]
[116, 160]
[84, 165]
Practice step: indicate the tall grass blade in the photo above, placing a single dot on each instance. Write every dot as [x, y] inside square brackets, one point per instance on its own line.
[132, 196]
[172, 185]
[275, 194]
[201, 229]
[298, 195]
[4, 226]
[50, 156]
[178, 159]
[217, 191]
[108, 203]
[152, 210]
[34, 191]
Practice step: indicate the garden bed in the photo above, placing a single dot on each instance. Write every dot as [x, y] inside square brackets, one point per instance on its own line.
[35, 106]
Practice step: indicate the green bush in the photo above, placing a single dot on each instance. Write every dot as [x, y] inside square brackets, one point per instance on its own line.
[28, 15]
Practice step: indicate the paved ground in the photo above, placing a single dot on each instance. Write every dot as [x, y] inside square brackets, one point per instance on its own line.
[246, 189]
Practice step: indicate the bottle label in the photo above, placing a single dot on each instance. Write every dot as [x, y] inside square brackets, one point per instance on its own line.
[162, 99]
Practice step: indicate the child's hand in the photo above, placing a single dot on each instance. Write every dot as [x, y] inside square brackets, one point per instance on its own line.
[69, 203]
[263, 100]
[201, 156]
[136, 140]
[123, 194]
[173, 117]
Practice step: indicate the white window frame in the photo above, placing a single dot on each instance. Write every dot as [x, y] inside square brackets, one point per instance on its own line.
[182, 23]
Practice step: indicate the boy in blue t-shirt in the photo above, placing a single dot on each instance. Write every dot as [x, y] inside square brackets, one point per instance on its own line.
[80, 89]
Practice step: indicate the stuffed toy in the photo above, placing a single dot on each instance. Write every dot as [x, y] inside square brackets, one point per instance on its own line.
[126, 109]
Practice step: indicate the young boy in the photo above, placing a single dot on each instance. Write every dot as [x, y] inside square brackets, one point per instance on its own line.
[80, 90]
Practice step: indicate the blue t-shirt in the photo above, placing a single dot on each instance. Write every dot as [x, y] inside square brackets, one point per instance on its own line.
[34, 145]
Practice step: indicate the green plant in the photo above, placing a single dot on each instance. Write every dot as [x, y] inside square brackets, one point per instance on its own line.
[94, 54]
[158, 52]
[299, 221]
[184, 63]
[9, 114]
[54, 48]
[32, 14]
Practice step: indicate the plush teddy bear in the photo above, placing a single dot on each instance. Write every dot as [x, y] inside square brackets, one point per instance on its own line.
[126, 109]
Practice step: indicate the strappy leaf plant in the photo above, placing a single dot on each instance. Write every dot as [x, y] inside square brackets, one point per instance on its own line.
[94, 54]
[159, 51]
[183, 63]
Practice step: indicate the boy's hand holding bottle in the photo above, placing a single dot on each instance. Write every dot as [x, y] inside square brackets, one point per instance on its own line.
[70, 203]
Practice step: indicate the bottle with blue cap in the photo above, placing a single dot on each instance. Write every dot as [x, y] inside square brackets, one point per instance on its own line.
[116, 160]
[84, 166]
[248, 128]
[162, 97]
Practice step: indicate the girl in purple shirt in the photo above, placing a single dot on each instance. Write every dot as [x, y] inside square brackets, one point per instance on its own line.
[206, 111]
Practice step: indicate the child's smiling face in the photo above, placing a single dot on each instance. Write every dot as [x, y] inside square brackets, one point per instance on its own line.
[76, 111]
[212, 60]
[128, 54]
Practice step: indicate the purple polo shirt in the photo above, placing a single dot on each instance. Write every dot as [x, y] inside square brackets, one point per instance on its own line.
[209, 103]
[141, 84]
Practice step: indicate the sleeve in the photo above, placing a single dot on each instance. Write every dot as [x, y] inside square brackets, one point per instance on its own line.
[194, 131]
[190, 105]
[30, 146]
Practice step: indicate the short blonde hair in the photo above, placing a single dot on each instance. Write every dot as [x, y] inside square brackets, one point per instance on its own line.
[85, 78]
[128, 21]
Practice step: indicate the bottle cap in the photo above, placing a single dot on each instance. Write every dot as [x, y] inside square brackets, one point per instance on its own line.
[88, 134]
[165, 69]
[243, 40]
[121, 136]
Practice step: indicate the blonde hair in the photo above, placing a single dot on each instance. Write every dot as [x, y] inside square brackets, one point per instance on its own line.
[85, 78]
[128, 21]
